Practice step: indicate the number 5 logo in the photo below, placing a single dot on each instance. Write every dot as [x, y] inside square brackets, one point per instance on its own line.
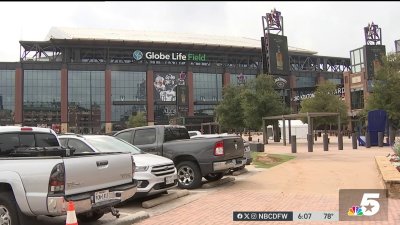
[370, 207]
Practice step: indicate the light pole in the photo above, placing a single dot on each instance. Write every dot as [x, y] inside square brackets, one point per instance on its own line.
[90, 102]
[177, 103]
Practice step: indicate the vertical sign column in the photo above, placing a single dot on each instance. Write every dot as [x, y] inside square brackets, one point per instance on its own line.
[19, 86]
[108, 100]
[182, 95]
[190, 86]
[150, 96]
[64, 99]
[278, 55]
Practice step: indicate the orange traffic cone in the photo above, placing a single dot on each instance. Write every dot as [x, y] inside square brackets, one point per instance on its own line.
[71, 215]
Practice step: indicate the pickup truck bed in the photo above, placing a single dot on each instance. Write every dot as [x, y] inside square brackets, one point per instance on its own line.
[202, 150]
[194, 158]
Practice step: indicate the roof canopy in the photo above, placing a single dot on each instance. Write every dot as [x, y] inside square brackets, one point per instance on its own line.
[300, 115]
[158, 37]
[289, 117]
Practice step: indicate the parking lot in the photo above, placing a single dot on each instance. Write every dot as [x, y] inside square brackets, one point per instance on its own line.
[134, 206]
[309, 182]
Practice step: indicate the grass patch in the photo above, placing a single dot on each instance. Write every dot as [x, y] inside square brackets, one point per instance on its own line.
[264, 160]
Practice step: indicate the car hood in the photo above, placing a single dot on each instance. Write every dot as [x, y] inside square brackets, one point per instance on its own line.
[147, 159]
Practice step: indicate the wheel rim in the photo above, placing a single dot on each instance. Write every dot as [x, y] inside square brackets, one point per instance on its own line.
[5, 218]
[185, 175]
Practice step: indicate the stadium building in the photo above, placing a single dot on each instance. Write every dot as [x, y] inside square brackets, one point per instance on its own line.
[92, 80]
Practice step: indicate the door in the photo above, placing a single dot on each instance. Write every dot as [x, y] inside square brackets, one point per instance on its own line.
[126, 136]
[145, 139]
[79, 146]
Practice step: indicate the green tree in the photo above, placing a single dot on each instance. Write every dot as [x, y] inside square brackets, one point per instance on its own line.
[138, 120]
[325, 101]
[230, 112]
[244, 106]
[385, 93]
[260, 99]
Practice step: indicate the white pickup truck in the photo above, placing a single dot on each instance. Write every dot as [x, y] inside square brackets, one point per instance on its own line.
[155, 174]
[39, 177]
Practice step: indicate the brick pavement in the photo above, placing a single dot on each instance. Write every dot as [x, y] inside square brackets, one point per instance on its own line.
[271, 189]
[217, 208]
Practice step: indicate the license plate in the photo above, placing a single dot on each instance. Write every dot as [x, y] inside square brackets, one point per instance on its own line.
[101, 196]
[169, 180]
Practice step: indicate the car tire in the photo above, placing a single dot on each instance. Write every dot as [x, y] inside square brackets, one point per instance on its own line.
[214, 176]
[248, 161]
[9, 210]
[90, 216]
[189, 176]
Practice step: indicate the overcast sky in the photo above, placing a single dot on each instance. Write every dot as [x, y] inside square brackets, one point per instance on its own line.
[330, 28]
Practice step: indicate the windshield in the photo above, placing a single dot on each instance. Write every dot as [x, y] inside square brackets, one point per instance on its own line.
[111, 144]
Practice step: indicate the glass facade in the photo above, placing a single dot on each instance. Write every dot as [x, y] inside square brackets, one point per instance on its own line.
[84, 87]
[204, 110]
[7, 96]
[240, 79]
[128, 96]
[357, 60]
[207, 87]
[336, 81]
[42, 98]
[305, 80]
[86, 101]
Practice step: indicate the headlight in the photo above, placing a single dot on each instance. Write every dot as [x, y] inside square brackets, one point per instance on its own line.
[141, 168]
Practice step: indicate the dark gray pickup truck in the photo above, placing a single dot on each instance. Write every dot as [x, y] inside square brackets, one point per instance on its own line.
[194, 158]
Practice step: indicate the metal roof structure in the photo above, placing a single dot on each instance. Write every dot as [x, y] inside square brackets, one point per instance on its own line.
[82, 45]
[300, 115]
[289, 117]
[88, 34]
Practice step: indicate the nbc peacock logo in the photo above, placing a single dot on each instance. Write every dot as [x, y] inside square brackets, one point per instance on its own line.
[363, 205]
[355, 211]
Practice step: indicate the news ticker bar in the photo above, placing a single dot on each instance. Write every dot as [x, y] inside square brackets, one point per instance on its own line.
[286, 216]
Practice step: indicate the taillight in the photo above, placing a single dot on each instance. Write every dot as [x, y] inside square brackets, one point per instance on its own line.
[219, 148]
[26, 129]
[133, 165]
[57, 179]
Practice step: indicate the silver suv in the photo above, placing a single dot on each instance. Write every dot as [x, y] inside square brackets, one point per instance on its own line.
[155, 174]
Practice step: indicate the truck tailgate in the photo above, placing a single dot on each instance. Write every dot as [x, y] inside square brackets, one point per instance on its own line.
[233, 147]
[97, 171]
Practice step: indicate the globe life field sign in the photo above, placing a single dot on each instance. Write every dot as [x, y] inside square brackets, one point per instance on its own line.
[174, 56]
